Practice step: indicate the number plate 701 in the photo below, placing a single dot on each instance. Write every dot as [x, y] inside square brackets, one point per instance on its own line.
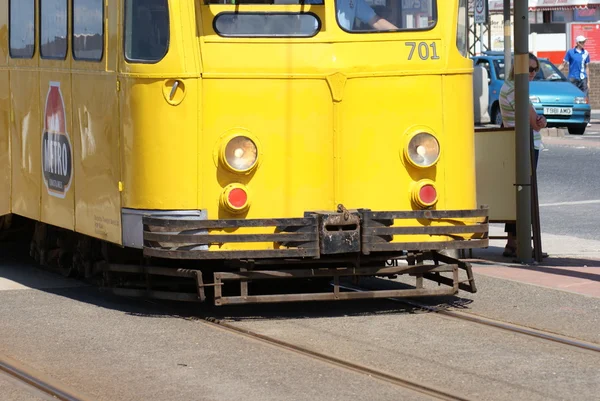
[424, 50]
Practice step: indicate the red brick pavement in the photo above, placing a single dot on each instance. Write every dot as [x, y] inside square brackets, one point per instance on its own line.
[575, 275]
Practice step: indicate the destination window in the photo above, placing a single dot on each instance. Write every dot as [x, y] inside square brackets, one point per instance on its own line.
[88, 29]
[53, 31]
[22, 28]
[248, 24]
[146, 30]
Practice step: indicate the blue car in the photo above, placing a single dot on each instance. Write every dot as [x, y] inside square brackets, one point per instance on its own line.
[552, 95]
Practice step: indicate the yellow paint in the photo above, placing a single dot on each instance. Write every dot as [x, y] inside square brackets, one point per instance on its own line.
[26, 134]
[5, 118]
[96, 139]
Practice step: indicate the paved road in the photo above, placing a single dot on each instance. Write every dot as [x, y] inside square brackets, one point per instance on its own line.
[569, 185]
[119, 349]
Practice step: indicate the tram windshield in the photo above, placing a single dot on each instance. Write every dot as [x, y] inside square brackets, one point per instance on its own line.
[385, 15]
[354, 16]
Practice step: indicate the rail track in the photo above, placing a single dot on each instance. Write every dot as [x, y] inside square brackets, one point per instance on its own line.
[421, 388]
[38, 381]
[511, 327]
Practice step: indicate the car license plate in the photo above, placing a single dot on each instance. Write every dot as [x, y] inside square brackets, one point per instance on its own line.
[558, 111]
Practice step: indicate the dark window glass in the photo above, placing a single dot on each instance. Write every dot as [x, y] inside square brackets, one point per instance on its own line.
[22, 28]
[53, 32]
[267, 24]
[146, 30]
[385, 15]
[88, 29]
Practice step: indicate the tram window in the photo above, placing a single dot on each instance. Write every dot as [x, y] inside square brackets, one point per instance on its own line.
[386, 15]
[22, 28]
[146, 30]
[53, 30]
[267, 24]
[88, 29]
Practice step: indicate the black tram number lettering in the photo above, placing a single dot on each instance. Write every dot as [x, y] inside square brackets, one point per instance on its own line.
[423, 50]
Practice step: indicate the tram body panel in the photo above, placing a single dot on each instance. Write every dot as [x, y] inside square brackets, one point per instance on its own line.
[373, 167]
[293, 126]
[96, 132]
[5, 164]
[159, 110]
[97, 157]
[26, 139]
[459, 159]
[160, 142]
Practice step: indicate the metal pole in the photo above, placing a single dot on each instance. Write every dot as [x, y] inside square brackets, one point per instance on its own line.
[523, 184]
[507, 35]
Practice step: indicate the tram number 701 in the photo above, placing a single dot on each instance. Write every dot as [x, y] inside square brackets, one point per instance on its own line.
[425, 50]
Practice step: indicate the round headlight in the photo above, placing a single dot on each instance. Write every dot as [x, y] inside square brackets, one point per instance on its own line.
[240, 154]
[423, 150]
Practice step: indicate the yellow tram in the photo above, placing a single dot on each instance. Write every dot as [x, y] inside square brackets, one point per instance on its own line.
[243, 140]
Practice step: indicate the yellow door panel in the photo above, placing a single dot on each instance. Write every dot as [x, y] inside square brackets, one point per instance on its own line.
[160, 137]
[56, 150]
[293, 124]
[95, 138]
[26, 139]
[459, 160]
[373, 171]
[5, 168]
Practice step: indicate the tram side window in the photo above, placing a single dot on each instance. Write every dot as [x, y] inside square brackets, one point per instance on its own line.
[146, 30]
[88, 29]
[54, 29]
[22, 28]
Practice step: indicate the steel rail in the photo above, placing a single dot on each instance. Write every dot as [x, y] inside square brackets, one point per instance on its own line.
[355, 367]
[495, 323]
[39, 381]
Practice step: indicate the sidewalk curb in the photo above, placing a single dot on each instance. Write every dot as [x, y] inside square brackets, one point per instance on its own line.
[554, 132]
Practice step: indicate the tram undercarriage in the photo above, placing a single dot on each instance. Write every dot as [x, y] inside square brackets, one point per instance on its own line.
[318, 257]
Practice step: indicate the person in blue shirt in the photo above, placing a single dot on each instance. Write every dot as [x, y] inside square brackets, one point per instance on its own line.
[578, 59]
[349, 10]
